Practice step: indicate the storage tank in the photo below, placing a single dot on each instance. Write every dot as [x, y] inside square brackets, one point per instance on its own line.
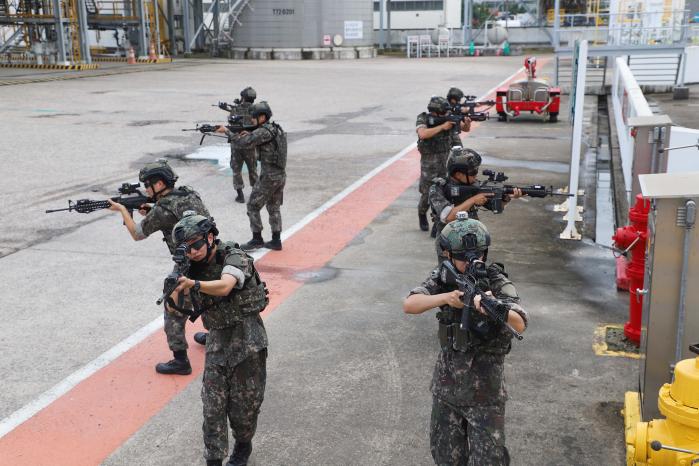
[305, 24]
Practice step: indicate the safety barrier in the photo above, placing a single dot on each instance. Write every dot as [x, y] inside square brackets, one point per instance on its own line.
[627, 101]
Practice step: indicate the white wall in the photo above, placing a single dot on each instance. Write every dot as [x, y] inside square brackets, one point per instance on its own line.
[692, 65]
[683, 160]
[450, 16]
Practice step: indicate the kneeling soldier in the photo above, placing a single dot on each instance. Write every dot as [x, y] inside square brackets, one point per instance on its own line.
[232, 295]
[468, 391]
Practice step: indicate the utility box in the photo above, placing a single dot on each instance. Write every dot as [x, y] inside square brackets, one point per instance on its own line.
[671, 302]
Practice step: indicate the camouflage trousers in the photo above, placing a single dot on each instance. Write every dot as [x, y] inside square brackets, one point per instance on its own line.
[431, 167]
[268, 191]
[174, 330]
[468, 436]
[238, 157]
[232, 395]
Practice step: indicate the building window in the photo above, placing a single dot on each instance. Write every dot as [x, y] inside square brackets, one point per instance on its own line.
[412, 6]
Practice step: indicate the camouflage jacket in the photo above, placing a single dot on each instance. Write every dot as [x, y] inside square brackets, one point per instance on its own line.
[441, 204]
[167, 211]
[270, 140]
[475, 376]
[235, 327]
[437, 144]
[242, 108]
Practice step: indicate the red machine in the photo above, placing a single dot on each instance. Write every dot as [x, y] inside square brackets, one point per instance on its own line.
[633, 238]
[529, 95]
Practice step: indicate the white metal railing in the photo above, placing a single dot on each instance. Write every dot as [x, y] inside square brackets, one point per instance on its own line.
[627, 101]
[664, 27]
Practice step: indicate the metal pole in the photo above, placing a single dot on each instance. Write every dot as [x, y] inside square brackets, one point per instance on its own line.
[83, 29]
[214, 41]
[388, 23]
[382, 32]
[142, 41]
[187, 28]
[60, 32]
[689, 220]
[171, 26]
[556, 25]
[467, 22]
[198, 13]
[157, 28]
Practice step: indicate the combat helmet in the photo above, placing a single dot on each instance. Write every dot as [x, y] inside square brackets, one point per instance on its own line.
[248, 94]
[192, 225]
[158, 169]
[438, 105]
[463, 160]
[261, 108]
[455, 93]
[465, 238]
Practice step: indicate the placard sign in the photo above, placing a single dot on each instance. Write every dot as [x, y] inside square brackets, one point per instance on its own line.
[354, 30]
[327, 40]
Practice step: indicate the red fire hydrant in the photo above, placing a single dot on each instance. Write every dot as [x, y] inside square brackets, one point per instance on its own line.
[633, 238]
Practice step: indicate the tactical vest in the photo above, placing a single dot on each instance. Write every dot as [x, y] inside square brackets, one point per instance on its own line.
[177, 202]
[483, 335]
[472, 213]
[274, 152]
[243, 109]
[437, 144]
[222, 312]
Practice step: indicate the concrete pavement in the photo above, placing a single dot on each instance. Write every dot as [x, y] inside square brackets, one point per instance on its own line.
[348, 371]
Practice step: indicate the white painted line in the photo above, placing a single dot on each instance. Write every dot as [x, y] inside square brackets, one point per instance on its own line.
[18, 417]
[52, 394]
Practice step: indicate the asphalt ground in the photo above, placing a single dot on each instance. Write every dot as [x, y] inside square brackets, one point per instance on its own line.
[348, 372]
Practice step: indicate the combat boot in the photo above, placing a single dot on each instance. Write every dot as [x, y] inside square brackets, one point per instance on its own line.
[200, 337]
[240, 197]
[241, 454]
[424, 226]
[255, 243]
[276, 242]
[180, 365]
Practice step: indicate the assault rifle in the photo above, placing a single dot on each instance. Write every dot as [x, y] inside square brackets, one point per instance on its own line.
[235, 125]
[129, 196]
[456, 118]
[458, 193]
[470, 104]
[228, 107]
[180, 269]
[467, 283]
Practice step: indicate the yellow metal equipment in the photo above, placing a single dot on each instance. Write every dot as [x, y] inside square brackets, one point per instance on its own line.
[675, 439]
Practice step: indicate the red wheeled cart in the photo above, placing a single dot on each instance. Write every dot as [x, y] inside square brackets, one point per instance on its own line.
[529, 95]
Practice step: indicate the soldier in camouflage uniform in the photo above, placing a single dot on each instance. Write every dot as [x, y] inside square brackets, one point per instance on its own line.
[454, 97]
[462, 169]
[434, 142]
[270, 140]
[170, 202]
[468, 409]
[232, 295]
[240, 155]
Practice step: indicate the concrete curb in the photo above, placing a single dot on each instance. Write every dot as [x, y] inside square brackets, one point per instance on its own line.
[316, 53]
[260, 54]
[287, 54]
[344, 53]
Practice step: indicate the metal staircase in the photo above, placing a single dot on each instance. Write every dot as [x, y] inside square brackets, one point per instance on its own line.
[221, 34]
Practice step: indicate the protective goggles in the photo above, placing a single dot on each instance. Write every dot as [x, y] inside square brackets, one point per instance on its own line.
[197, 244]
